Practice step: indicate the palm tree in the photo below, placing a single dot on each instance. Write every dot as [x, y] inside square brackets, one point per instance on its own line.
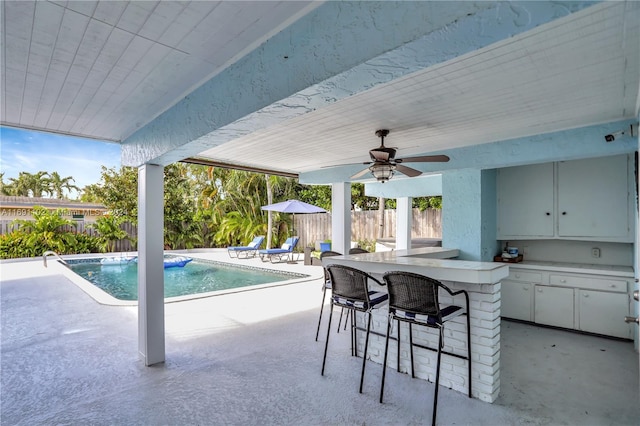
[243, 194]
[20, 186]
[5, 189]
[27, 184]
[58, 184]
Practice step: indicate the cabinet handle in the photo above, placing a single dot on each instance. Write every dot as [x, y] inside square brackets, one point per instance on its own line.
[548, 214]
[539, 290]
[564, 213]
[585, 295]
[563, 281]
[517, 275]
[612, 285]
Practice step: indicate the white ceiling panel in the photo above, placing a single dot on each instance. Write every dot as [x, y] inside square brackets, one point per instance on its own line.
[103, 69]
[577, 71]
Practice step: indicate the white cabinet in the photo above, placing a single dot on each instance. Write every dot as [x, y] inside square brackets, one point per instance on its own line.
[590, 302]
[593, 198]
[588, 199]
[554, 306]
[603, 313]
[517, 294]
[525, 201]
[517, 300]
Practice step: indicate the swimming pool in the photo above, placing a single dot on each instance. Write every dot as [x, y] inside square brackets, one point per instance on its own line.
[196, 277]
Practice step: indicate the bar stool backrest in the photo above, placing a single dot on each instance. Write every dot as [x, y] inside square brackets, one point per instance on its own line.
[349, 283]
[324, 254]
[413, 293]
[357, 250]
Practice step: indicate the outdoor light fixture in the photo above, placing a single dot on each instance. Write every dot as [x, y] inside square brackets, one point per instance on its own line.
[382, 172]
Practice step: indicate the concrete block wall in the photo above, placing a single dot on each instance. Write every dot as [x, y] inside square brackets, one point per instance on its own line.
[484, 303]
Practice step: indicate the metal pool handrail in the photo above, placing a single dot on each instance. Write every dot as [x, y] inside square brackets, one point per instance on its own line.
[49, 253]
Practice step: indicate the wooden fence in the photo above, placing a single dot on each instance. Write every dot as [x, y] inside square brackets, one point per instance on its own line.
[313, 227]
[364, 225]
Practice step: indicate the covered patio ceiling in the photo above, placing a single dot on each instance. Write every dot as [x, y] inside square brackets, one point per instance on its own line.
[143, 74]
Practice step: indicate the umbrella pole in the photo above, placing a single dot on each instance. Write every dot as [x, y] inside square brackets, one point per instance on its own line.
[293, 230]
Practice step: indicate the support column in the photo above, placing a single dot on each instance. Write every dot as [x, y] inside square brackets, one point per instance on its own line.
[635, 311]
[341, 217]
[404, 222]
[469, 213]
[150, 264]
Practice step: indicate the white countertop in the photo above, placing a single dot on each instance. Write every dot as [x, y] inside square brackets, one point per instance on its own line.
[432, 261]
[582, 268]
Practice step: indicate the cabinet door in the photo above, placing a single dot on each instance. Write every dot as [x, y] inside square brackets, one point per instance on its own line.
[593, 198]
[525, 201]
[516, 300]
[603, 313]
[554, 306]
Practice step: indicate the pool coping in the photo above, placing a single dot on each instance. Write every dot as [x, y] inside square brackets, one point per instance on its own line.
[105, 298]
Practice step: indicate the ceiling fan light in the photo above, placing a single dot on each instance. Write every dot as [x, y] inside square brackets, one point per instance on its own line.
[382, 172]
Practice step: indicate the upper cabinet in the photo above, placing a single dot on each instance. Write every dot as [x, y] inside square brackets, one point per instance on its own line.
[525, 201]
[588, 199]
[593, 198]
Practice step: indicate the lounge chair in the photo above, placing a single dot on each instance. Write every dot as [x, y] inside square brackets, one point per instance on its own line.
[284, 253]
[244, 252]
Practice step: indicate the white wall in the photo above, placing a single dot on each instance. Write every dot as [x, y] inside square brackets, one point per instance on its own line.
[620, 254]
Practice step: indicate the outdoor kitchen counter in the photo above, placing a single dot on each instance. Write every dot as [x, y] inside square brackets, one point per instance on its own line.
[480, 279]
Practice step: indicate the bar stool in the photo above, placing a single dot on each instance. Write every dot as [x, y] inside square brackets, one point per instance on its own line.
[357, 250]
[326, 286]
[350, 291]
[413, 299]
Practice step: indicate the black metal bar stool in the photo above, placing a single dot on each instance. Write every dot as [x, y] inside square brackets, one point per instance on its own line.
[413, 299]
[326, 286]
[350, 291]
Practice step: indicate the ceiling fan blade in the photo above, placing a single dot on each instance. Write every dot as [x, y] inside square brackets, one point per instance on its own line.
[346, 164]
[424, 159]
[408, 170]
[360, 174]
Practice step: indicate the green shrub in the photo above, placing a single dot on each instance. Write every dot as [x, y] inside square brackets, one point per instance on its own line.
[46, 232]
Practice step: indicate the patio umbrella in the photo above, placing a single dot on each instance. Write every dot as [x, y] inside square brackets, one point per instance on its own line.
[293, 206]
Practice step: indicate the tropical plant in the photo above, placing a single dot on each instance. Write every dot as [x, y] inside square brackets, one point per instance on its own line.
[180, 208]
[243, 194]
[118, 191]
[4, 188]
[58, 184]
[29, 185]
[109, 232]
[46, 231]
[318, 195]
[421, 203]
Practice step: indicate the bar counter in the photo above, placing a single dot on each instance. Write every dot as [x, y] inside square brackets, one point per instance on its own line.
[480, 279]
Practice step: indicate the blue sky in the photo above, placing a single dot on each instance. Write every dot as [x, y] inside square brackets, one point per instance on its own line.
[30, 151]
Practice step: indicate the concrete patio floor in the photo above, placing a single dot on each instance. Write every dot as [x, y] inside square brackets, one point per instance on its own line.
[250, 358]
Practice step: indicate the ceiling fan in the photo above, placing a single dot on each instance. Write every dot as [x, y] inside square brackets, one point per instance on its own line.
[384, 164]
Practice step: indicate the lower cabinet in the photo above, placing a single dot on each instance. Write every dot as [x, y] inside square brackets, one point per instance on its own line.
[517, 300]
[585, 302]
[554, 306]
[603, 313]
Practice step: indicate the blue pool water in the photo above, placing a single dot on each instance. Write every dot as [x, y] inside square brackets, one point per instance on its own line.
[121, 281]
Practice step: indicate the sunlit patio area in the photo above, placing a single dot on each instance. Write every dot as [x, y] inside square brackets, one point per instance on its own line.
[250, 358]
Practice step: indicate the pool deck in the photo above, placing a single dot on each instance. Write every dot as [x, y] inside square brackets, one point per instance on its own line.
[250, 358]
